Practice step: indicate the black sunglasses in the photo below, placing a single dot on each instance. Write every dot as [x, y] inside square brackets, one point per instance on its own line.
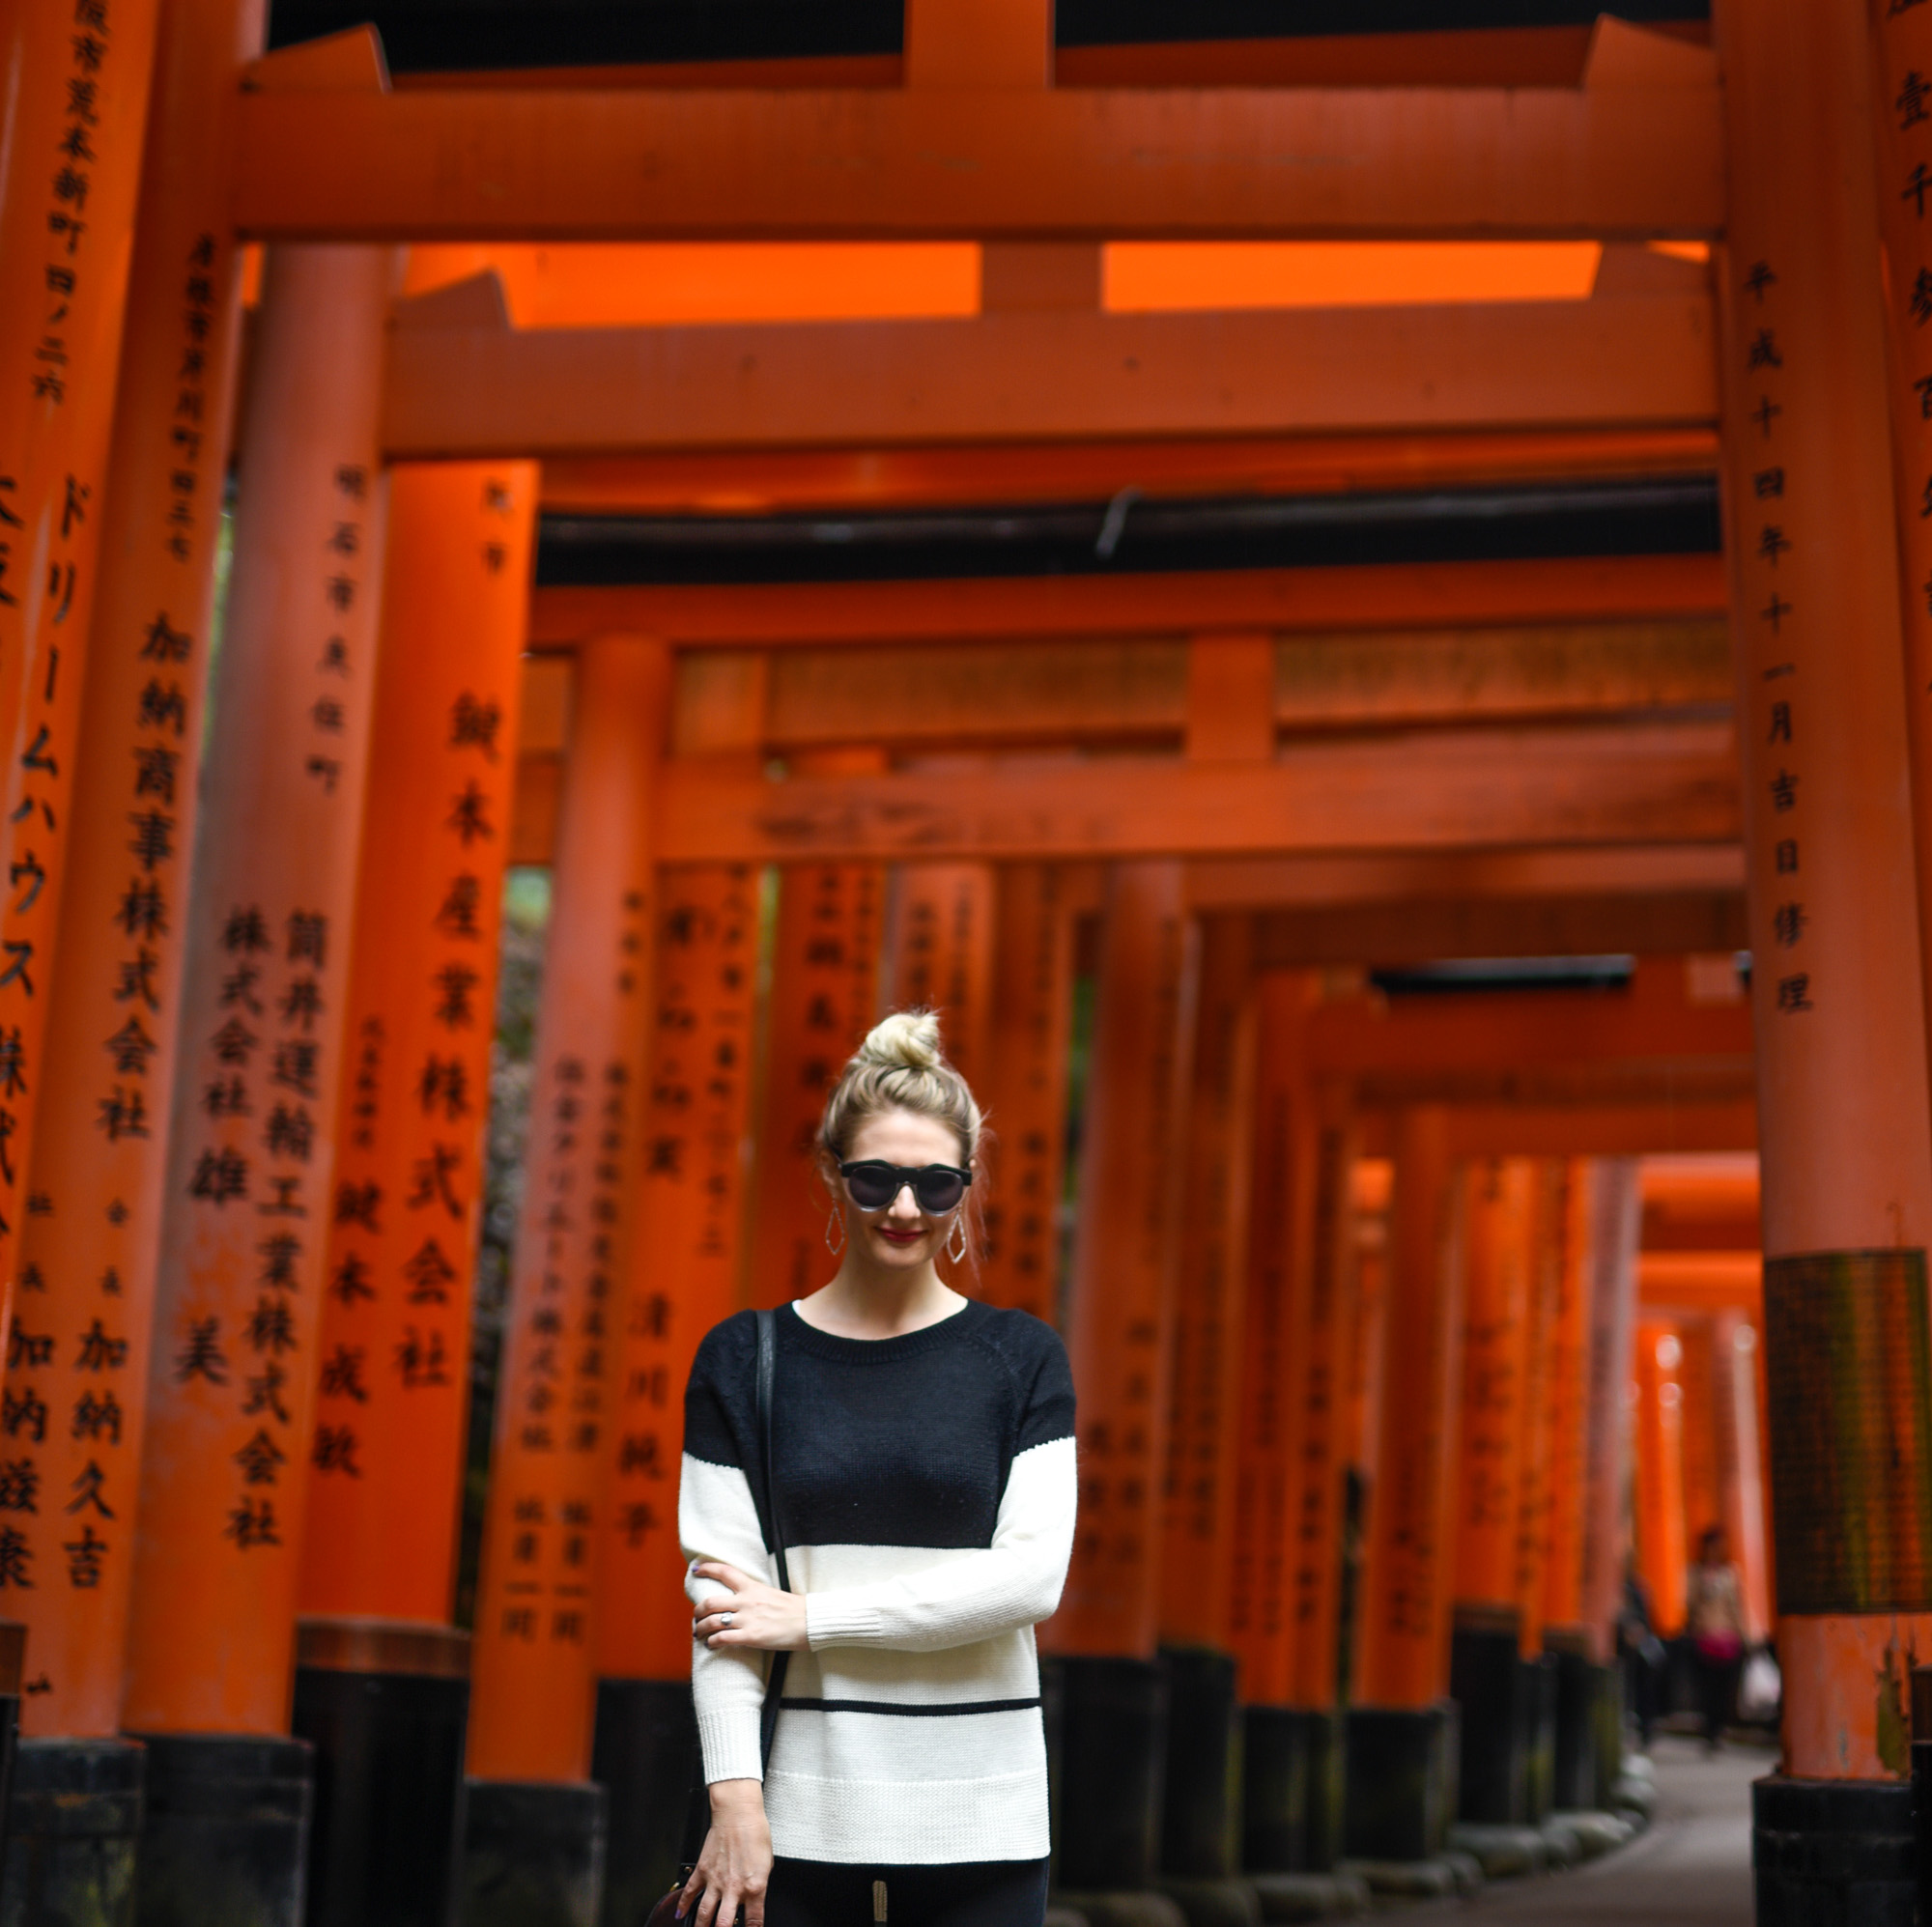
[875, 1184]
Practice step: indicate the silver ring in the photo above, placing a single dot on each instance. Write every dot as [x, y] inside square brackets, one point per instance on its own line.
[724, 1619]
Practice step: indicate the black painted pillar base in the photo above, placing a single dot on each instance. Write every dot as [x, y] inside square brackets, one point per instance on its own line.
[1112, 1744]
[1539, 1758]
[1327, 1788]
[1610, 1727]
[224, 1831]
[1201, 1799]
[1486, 1680]
[1573, 1787]
[1833, 1853]
[387, 1707]
[1401, 1781]
[12, 1665]
[646, 1759]
[73, 1823]
[1274, 1790]
[533, 1854]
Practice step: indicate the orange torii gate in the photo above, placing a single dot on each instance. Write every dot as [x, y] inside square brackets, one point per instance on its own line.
[1636, 151]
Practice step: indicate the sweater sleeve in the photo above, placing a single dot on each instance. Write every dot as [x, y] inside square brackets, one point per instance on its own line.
[1016, 1582]
[717, 1519]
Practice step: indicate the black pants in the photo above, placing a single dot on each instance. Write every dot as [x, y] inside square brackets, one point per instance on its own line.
[969, 1893]
[1717, 1692]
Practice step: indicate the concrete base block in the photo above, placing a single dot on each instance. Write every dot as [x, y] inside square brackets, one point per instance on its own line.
[385, 1835]
[1401, 1781]
[1632, 1795]
[73, 1823]
[1201, 1804]
[645, 1758]
[1215, 1902]
[1833, 1853]
[1113, 1748]
[533, 1854]
[224, 1831]
[1311, 1896]
[1595, 1835]
[1122, 1910]
[1274, 1790]
[1492, 1690]
[1503, 1852]
[1406, 1880]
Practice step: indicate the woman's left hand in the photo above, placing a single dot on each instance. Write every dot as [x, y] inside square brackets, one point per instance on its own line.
[755, 1615]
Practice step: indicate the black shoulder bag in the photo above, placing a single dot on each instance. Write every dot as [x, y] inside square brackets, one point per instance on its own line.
[698, 1820]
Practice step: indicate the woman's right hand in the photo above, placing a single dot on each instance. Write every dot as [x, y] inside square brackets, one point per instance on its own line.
[735, 1867]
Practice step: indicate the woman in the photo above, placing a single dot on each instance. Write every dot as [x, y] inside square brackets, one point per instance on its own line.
[924, 1473]
[1716, 1619]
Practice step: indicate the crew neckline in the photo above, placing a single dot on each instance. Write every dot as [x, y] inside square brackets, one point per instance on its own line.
[884, 1351]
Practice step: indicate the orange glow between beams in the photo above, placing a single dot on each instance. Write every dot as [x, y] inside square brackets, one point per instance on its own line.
[666, 284]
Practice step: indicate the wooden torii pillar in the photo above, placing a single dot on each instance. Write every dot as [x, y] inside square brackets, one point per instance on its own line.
[1485, 1679]
[1401, 1724]
[382, 1686]
[1200, 1823]
[1025, 1087]
[1839, 988]
[1659, 1520]
[536, 1820]
[1559, 1608]
[88, 1261]
[250, 1190]
[1122, 1306]
[684, 1278]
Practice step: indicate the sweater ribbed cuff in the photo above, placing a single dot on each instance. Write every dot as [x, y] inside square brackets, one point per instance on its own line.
[731, 1739]
[831, 1622]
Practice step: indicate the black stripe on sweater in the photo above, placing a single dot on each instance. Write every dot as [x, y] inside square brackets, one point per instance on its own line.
[919, 1712]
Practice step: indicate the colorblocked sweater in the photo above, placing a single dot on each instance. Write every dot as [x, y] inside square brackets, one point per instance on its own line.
[926, 1492]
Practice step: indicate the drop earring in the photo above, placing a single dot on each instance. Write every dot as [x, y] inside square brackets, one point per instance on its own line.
[834, 1219]
[959, 1228]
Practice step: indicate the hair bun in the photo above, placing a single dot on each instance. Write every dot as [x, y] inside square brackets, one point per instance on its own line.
[906, 1040]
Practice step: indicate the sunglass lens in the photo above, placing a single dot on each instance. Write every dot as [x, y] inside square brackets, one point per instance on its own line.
[873, 1186]
[939, 1190]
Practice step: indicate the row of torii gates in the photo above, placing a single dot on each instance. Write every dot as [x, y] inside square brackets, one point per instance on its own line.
[242, 1122]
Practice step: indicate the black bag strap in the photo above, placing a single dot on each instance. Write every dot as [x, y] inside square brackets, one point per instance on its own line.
[768, 1371]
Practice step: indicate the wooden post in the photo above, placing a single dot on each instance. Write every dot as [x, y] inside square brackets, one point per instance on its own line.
[1836, 895]
[1564, 1387]
[1200, 1823]
[1400, 1767]
[1495, 1327]
[1696, 1382]
[939, 953]
[385, 1464]
[1739, 1460]
[683, 1280]
[1660, 1473]
[1615, 1221]
[1549, 1256]
[394, 1344]
[823, 999]
[75, 107]
[1581, 1685]
[556, 1409]
[1125, 1281]
[1024, 1088]
[140, 736]
[1487, 1679]
[1262, 1573]
[250, 1176]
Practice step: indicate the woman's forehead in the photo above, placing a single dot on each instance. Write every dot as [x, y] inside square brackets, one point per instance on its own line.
[904, 1137]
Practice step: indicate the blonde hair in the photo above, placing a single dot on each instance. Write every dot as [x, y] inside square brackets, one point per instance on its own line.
[901, 1067]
